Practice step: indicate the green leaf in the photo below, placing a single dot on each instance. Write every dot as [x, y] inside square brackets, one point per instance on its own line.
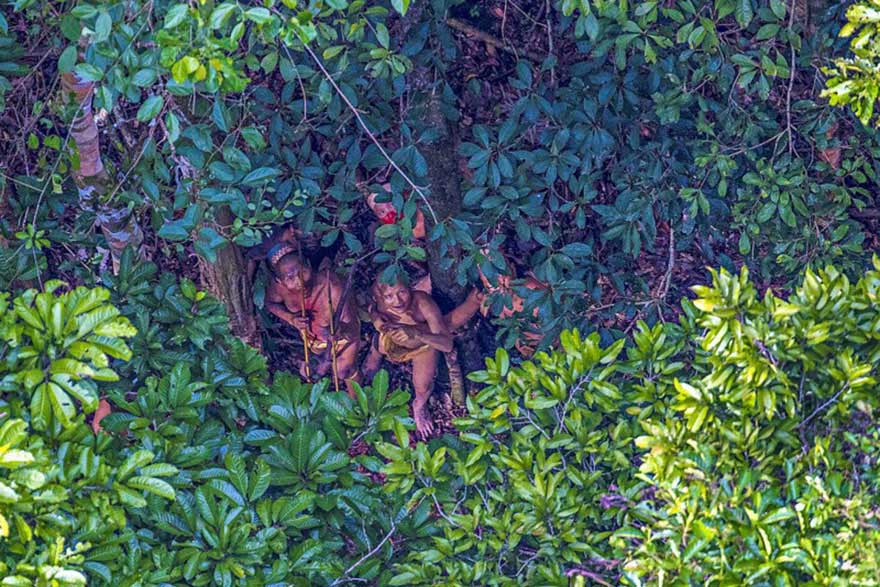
[185, 66]
[226, 489]
[173, 231]
[103, 25]
[220, 15]
[144, 78]
[67, 60]
[88, 72]
[383, 36]
[260, 175]
[119, 327]
[768, 31]
[260, 481]
[150, 109]
[176, 15]
[41, 407]
[129, 497]
[778, 8]
[62, 406]
[331, 52]
[745, 243]
[208, 243]
[159, 470]
[219, 115]
[172, 125]
[258, 15]
[744, 12]
[138, 459]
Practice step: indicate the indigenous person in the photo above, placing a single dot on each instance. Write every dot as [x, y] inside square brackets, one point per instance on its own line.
[413, 329]
[312, 303]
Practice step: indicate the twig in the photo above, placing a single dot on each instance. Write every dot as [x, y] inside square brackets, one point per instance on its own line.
[361, 561]
[662, 288]
[792, 71]
[670, 266]
[485, 37]
[580, 572]
[550, 48]
[561, 424]
[137, 160]
[821, 408]
[363, 124]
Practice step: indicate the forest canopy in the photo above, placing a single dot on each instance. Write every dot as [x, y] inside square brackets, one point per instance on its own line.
[436, 292]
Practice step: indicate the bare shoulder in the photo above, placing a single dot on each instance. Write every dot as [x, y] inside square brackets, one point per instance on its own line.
[274, 291]
[425, 304]
[423, 300]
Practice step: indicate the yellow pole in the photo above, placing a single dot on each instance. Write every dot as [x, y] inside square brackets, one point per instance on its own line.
[302, 311]
[332, 333]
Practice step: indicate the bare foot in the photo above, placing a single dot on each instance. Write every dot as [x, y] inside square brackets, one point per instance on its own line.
[424, 426]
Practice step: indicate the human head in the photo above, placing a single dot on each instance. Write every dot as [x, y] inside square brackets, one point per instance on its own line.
[394, 296]
[291, 272]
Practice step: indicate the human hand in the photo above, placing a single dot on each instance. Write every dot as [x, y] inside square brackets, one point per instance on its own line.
[299, 322]
[400, 335]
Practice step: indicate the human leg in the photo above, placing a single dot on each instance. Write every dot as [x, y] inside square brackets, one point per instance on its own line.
[346, 363]
[424, 372]
[373, 361]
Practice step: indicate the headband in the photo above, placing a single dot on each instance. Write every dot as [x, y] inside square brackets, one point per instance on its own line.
[279, 251]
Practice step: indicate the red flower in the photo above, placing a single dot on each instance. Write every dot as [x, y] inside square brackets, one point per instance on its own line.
[389, 218]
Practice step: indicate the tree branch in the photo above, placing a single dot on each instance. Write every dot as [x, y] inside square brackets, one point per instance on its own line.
[485, 37]
[822, 408]
[363, 124]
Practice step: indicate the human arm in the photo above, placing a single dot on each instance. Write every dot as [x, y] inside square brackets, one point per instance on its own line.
[345, 307]
[438, 336]
[276, 305]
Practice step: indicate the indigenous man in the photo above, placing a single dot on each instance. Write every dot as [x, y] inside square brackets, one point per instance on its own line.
[312, 303]
[412, 329]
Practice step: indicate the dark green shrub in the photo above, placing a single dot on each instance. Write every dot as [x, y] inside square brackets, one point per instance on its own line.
[737, 447]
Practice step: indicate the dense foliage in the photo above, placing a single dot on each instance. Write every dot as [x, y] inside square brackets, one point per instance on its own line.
[609, 149]
[262, 488]
[736, 447]
[634, 144]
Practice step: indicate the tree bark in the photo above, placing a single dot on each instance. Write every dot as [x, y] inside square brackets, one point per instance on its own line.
[118, 224]
[228, 279]
[446, 199]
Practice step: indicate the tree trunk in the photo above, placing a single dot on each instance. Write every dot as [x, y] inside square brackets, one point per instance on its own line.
[446, 199]
[228, 280]
[118, 224]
